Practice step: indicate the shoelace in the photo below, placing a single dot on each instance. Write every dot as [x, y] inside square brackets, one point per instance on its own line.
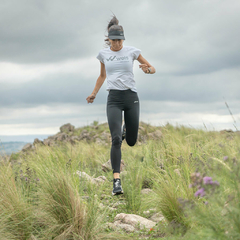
[117, 184]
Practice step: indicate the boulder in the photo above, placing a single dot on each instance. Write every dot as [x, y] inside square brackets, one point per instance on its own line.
[27, 147]
[134, 220]
[61, 136]
[67, 128]
[121, 226]
[37, 142]
[98, 180]
[106, 136]
[73, 139]
[48, 142]
[85, 135]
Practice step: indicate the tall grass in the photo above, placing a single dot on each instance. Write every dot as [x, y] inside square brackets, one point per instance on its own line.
[42, 197]
[16, 213]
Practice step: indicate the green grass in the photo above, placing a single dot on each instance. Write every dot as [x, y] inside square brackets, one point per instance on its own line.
[42, 197]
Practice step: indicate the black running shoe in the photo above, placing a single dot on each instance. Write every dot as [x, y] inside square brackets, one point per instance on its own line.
[123, 131]
[117, 188]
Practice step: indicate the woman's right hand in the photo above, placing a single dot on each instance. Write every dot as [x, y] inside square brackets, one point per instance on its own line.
[91, 98]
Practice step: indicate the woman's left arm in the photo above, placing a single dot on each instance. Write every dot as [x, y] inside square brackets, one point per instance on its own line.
[145, 65]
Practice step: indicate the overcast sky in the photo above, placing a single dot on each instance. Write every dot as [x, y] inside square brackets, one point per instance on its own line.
[48, 62]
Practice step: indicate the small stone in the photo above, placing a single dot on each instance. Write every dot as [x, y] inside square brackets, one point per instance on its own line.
[67, 128]
[146, 191]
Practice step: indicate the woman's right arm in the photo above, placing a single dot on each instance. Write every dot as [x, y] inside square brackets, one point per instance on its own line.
[98, 85]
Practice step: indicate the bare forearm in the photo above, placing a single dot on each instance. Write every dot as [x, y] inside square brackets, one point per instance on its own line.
[99, 84]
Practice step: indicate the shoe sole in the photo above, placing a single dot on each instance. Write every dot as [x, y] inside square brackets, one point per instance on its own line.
[117, 193]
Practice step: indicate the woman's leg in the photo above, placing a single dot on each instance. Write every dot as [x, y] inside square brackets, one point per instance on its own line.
[114, 115]
[131, 118]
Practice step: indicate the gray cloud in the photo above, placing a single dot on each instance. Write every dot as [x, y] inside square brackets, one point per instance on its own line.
[194, 46]
[70, 88]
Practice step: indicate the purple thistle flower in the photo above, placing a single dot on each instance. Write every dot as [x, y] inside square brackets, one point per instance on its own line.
[207, 180]
[37, 179]
[26, 179]
[225, 158]
[200, 192]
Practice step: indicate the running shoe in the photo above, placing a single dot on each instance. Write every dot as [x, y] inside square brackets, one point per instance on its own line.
[117, 188]
[123, 131]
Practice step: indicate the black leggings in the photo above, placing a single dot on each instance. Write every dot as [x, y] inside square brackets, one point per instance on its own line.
[118, 101]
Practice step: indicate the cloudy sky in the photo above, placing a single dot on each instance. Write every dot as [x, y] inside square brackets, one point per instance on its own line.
[48, 62]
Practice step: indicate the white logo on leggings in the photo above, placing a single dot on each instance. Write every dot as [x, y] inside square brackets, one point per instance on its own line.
[135, 101]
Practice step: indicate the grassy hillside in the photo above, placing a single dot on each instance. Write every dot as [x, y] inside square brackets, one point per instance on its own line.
[193, 176]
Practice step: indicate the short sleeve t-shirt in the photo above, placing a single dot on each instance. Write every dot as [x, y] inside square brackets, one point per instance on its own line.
[119, 67]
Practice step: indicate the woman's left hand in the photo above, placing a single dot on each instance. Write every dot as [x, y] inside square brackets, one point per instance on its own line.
[144, 67]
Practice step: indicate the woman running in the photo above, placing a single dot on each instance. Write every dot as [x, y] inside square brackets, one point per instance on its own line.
[117, 66]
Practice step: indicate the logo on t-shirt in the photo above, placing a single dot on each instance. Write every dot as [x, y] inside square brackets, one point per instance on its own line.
[114, 58]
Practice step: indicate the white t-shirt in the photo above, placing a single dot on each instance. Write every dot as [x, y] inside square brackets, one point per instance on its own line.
[119, 67]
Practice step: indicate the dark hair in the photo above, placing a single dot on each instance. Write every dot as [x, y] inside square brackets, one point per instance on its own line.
[113, 25]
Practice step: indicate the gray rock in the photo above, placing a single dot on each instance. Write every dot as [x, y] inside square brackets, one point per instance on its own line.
[124, 226]
[106, 136]
[98, 180]
[48, 142]
[61, 136]
[67, 128]
[27, 147]
[146, 191]
[85, 135]
[99, 141]
[75, 138]
[157, 217]
[37, 142]
[135, 220]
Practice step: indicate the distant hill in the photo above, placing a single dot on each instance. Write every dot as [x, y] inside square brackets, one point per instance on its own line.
[10, 147]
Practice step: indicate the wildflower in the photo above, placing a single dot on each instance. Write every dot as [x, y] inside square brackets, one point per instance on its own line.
[190, 186]
[225, 158]
[200, 192]
[26, 179]
[151, 229]
[207, 180]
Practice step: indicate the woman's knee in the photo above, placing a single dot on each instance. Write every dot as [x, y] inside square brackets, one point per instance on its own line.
[117, 142]
[131, 142]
